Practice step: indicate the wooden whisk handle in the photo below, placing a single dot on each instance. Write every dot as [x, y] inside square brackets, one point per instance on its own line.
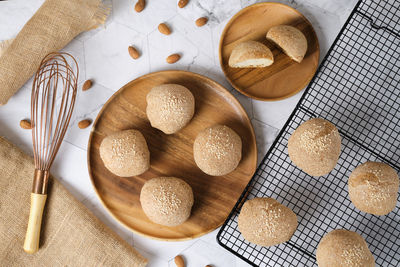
[31, 244]
[38, 200]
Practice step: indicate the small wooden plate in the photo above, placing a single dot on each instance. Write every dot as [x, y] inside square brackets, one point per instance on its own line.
[172, 155]
[284, 77]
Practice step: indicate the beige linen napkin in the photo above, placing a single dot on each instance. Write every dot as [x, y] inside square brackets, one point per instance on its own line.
[53, 26]
[71, 234]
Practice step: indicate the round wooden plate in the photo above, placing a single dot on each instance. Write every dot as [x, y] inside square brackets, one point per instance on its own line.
[172, 155]
[284, 77]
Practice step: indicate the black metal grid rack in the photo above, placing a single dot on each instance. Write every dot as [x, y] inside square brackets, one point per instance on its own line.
[357, 87]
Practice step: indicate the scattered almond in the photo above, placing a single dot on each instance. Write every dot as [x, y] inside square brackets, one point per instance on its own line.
[140, 5]
[179, 261]
[171, 59]
[25, 124]
[201, 21]
[133, 52]
[164, 29]
[84, 123]
[182, 3]
[87, 85]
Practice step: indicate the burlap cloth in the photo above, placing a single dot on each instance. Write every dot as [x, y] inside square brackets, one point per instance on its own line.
[52, 27]
[71, 234]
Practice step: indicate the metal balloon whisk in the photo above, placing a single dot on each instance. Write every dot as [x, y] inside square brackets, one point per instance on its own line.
[52, 102]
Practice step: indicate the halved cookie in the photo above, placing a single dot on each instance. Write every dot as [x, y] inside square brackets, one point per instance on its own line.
[251, 54]
[291, 40]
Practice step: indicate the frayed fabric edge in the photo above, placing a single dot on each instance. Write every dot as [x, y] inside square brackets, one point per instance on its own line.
[4, 45]
[100, 15]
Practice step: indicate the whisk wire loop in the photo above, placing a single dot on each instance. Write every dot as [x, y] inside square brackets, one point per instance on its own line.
[54, 92]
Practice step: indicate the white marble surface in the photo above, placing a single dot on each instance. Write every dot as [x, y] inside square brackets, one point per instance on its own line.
[102, 56]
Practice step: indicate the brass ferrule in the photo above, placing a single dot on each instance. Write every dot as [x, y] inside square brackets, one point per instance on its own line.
[40, 179]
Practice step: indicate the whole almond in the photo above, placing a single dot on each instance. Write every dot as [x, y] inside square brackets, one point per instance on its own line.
[140, 5]
[171, 59]
[182, 3]
[25, 124]
[201, 21]
[164, 29]
[133, 52]
[84, 123]
[179, 261]
[87, 85]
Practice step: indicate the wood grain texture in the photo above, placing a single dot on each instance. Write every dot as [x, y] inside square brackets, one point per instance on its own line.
[172, 155]
[284, 77]
[32, 237]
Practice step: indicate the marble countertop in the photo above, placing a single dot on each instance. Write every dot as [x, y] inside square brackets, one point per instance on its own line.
[102, 56]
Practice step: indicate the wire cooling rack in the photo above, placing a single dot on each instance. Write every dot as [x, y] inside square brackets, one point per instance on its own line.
[357, 87]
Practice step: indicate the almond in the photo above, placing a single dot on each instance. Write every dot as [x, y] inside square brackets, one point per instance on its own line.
[208, 266]
[87, 85]
[133, 52]
[25, 124]
[182, 3]
[201, 21]
[140, 5]
[84, 123]
[164, 29]
[171, 59]
[179, 261]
